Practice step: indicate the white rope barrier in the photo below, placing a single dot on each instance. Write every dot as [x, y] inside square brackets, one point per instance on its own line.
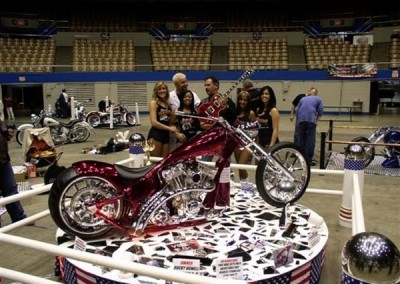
[25, 221]
[25, 194]
[139, 268]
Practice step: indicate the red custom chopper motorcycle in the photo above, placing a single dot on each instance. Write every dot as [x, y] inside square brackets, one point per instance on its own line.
[91, 197]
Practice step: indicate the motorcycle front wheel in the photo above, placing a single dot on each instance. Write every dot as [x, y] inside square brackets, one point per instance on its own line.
[72, 202]
[273, 185]
[369, 150]
[19, 136]
[93, 119]
[130, 119]
[79, 133]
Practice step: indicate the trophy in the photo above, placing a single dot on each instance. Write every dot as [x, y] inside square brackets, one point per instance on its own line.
[147, 148]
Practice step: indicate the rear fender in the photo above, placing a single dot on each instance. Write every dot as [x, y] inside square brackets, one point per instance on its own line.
[84, 124]
[91, 167]
[22, 127]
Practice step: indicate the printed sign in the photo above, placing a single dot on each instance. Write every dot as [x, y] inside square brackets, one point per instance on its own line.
[229, 268]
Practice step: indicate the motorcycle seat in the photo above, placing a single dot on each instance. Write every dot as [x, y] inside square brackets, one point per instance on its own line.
[69, 123]
[132, 173]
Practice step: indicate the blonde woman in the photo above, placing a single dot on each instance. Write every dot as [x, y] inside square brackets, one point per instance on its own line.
[160, 119]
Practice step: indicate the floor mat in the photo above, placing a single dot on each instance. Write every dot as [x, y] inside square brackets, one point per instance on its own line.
[336, 162]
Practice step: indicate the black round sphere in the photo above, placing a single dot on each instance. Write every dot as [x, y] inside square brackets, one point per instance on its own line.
[372, 257]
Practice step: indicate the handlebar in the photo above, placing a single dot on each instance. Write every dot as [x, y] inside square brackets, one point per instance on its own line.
[181, 113]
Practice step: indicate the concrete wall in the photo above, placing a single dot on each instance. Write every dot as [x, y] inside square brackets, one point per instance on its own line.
[333, 93]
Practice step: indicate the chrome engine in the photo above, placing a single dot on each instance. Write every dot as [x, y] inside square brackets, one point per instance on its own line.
[59, 134]
[185, 184]
[188, 175]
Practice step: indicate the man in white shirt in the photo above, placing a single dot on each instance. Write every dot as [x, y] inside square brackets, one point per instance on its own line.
[175, 98]
[181, 86]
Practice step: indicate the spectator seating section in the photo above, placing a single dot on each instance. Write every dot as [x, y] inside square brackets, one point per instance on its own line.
[258, 54]
[27, 55]
[322, 52]
[103, 55]
[188, 55]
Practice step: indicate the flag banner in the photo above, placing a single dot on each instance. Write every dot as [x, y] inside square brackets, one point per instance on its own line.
[356, 70]
[308, 273]
[348, 279]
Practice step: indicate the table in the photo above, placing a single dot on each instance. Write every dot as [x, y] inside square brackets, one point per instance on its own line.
[251, 225]
[349, 108]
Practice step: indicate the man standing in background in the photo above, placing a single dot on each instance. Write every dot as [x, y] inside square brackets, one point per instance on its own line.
[309, 110]
[64, 104]
[295, 103]
[8, 101]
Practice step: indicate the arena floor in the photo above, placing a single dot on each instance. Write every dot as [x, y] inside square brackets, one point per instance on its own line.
[381, 198]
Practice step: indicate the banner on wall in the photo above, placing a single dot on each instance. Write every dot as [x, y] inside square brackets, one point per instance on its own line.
[363, 39]
[358, 70]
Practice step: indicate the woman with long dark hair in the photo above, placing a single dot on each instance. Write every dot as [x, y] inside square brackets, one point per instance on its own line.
[268, 117]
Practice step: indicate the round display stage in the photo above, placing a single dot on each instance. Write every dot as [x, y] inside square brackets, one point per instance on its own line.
[252, 242]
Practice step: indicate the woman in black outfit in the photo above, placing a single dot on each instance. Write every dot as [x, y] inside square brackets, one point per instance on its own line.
[187, 126]
[268, 117]
[160, 119]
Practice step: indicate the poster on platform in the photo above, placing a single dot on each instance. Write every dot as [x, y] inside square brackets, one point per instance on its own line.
[357, 70]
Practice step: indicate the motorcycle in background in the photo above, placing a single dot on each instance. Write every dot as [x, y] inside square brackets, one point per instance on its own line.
[121, 116]
[80, 110]
[387, 134]
[90, 198]
[72, 131]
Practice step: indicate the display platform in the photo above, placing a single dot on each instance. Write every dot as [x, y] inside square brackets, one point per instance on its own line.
[266, 247]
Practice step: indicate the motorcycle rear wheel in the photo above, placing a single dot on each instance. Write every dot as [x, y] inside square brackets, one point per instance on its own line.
[72, 199]
[369, 150]
[79, 133]
[273, 185]
[19, 136]
[130, 119]
[93, 119]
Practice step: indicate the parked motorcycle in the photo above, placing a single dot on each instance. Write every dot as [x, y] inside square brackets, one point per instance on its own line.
[121, 116]
[387, 134]
[72, 131]
[80, 110]
[92, 197]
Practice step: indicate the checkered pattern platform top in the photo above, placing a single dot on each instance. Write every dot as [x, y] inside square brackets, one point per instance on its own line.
[251, 227]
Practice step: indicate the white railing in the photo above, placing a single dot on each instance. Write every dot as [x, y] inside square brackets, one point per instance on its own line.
[141, 269]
